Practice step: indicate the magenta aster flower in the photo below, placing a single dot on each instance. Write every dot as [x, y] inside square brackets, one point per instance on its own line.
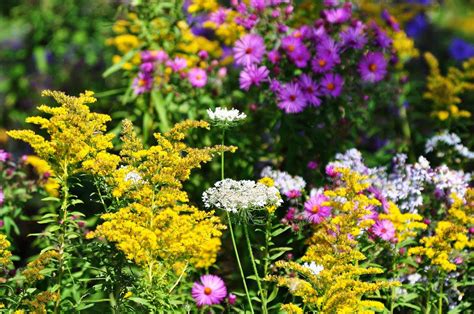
[274, 56]
[354, 37]
[2, 197]
[310, 90]
[197, 77]
[142, 83]
[249, 49]
[219, 16]
[177, 64]
[338, 15]
[209, 290]
[331, 84]
[323, 62]
[384, 229]
[373, 67]
[4, 155]
[252, 75]
[315, 211]
[291, 98]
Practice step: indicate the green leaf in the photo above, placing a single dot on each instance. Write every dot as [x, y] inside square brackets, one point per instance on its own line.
[51, 199]
[117, 66]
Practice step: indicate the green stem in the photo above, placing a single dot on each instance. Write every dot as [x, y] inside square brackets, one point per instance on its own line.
[254, 265]
[440, 298]
[392, 300]
[238, 262]
[231, 229]
[428, 296]
[61, 236]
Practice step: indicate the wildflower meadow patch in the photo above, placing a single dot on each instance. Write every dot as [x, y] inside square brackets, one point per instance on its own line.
[257, 156]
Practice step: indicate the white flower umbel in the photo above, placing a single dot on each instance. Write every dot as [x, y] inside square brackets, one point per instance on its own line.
[315, 268]
[283, 180]
[224, 117]
[234, 196]
[133, 177]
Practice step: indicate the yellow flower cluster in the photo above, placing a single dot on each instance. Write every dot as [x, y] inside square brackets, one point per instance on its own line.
[75, 133]
[405, 224]
[41, 167]
[337, 288]
[126, 40]
[229, 31]
[445, 91]
[157, 229]
[5, 253]
[405, 47]
[291, 308]
[202, 5]
[33, 271]
[38, 304]
[450, 236]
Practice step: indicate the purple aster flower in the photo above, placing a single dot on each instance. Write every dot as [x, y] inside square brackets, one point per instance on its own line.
[291, 44]
[301, 56]
[258, 5]
[324, 62]
[373, 67]
[249, 49]
[232, 298]
[331, 84]
[354, 37]
[209, 290]
[4, 155]
[177, 64]
[390, 20]
[310, 90]
[338, 15]
[2, 197]
[382, 39]
[275, 86]
[252, 75]
[197, 77]
[274, 56]
[142, 83]
[291, 98]
[461, 50]
[315, 210]
[328, 45]
[330, 3]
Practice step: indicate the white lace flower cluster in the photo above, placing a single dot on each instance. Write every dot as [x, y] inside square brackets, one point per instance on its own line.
[450, 139]
[283, 180]
[224, 117]
[234, 196]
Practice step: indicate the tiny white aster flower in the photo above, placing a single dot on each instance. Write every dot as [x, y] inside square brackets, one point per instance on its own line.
[283, 180]
[223, 117]
[315, 268]
[451, 140]
[234, 196]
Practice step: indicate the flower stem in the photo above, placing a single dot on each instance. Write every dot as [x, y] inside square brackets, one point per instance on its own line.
[61, 237]
[254, 265]
[231, 229]
[440, 299]
[238, 262]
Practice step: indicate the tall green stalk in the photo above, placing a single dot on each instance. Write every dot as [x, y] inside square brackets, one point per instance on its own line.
[254, 265]
[231, 229]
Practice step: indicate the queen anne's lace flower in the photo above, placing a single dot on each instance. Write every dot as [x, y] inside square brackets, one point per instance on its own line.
[283, 180]
[224, 117]
[233, 196]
